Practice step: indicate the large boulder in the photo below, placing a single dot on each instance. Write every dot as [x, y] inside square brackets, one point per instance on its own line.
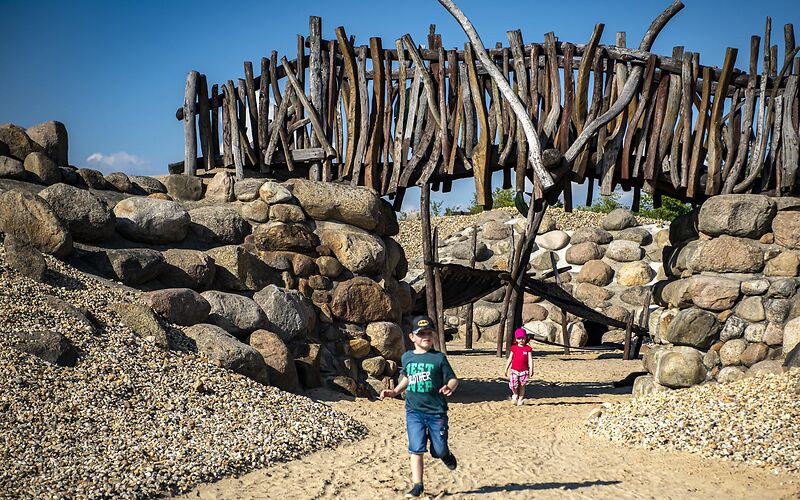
[785, 264]
[288, 313]
[693, 327]
[121, 182]
[256, 211]
[31, 219]
[495, 230]
[635, 274]
[42, 169]
[277, 236]
[285, 212]
[278, 358]
[624, 251]
[47, 345]
[595, 272]
[743, 215]
[236, 314]
[618, 219]
[143, 321]
[151, 221]
[751, 309]
[221, 187]
[786, 228]
[357, 250]
[638, 235]
[131, 266]
[181, 306]
[713, 293]
[357, 206]
[679, 367]
[728, 254]
[238, 269]
[247, 189]
[184, 187]
[593, 234]
[731, 352]
[187, 269]
[24, 258]
[683, 228]
[361, 300]
[20, 145]
[584, 252]
[673, 293]
[485, 316]
[387, 339]
[52, 137]
[791, 335]
[463, 250]
[148, 185]
[387, 220]
[553, 240]
[646, 384]
[86, 215]
[11, 168]
[396, 262]
[93, 179]
[222, 348]
[275, 193]
[218, 225]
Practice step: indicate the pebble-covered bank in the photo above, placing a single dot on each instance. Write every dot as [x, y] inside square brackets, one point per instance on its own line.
[411, 229]
[130, 420]
[754, 420]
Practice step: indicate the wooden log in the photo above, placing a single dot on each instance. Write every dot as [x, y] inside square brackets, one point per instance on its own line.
[509, 122]
[638, 115]
[644, 320]
[376, 119]
[215, 98]
[443, 108]
[714, 176]
[468, 116]
[332, 100]
[687, 85]
[352, 115]
[230, 95]
[470, 311]
[411, 116]
[769, 175]
[481, 153]
[653, 145]
[263, 111]
[190, 124]
[387, 128]
[562, 136]
[521, 82]
[252, 108]
[312, 113]
[427, 81]
[363, 131]
[227, 143]
[790, 148]
[427, 251]
[300, 74]
[437, 280]
[277, 127]
[241, 105]
[626, 353]
[698, 153]
[315, 85]
[732, 131]
[205, 123]
[673, 106]
[535, 115]
[580, 113]
[455, 150]
[421, 153]
[399, 126]
[551, 122]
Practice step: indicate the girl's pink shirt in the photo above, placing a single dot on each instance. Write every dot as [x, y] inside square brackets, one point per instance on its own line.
[519, 357]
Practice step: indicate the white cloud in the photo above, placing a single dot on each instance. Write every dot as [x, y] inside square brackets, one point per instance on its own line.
[118, 159]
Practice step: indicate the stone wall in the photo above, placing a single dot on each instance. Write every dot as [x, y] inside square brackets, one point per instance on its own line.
[729, 305]
[292, 284]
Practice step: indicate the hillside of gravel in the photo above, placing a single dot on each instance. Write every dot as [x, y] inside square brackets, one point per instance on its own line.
[131, 420]
[411, 228]
[754, 420]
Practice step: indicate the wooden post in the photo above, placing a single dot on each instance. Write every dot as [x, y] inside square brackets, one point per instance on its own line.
[234, 126]
[437, 279]
[215, 105]
[315, 83]
[643, 322]
[252, 111]
[227, 147]
[427, 252]
[189, 124]
[472, 259]
[564, 330]
[205, 124]
[263, 112]
[626, 353]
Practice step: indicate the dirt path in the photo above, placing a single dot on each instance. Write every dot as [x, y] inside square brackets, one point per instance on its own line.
[539, 450]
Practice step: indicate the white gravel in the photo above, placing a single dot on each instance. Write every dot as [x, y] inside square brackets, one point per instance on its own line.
[130, 420]
[754, 420]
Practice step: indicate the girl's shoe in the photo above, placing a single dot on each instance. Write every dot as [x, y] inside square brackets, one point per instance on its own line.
[415, 491]
[514, 398]
[520, 402]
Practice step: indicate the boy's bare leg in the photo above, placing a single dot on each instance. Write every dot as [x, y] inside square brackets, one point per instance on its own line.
[416, 468]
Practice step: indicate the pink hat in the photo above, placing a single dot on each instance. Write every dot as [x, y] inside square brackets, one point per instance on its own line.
[520, 333]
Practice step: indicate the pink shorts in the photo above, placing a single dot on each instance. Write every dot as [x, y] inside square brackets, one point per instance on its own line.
[518, 379]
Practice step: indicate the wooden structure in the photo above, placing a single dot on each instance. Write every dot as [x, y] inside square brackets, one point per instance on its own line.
[389, 118]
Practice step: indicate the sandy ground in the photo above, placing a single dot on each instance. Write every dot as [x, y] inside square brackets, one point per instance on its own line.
[540, 450]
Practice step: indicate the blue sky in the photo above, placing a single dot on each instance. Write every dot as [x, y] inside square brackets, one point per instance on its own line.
[114, 71]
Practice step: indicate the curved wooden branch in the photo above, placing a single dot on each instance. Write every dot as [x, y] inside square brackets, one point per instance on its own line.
[312, 113]
[433, 102]
[631, 86]
[535, 153]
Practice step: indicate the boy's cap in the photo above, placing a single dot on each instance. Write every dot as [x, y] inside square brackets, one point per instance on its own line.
[420, 323]
[520, 333]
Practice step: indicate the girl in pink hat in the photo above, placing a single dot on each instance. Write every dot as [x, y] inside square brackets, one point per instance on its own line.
[519, 366]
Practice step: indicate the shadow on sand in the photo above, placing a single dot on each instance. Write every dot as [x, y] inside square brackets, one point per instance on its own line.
[483, 390]
[533, 487]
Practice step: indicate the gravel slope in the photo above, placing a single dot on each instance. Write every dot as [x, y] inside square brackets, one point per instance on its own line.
[130, 420]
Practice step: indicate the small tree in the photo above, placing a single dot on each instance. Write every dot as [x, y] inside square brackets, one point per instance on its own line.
[670, 208]
[604, 204]
[436, 208]
[500, 198]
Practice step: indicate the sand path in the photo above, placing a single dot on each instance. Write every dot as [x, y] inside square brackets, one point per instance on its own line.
[540, 450]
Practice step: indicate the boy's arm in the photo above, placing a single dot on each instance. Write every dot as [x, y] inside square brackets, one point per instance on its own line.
[393, 393]
[450, 387]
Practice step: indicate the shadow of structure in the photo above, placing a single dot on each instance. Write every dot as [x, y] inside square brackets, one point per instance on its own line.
[534, 487]
[483, 390]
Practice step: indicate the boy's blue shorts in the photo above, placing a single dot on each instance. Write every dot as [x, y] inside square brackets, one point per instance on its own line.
[424, 426]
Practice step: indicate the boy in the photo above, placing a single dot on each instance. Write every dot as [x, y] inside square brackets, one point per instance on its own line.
[428, 378]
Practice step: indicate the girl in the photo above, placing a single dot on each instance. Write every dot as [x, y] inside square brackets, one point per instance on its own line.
[519, 366]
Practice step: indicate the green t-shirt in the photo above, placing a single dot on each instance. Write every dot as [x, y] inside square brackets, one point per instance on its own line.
[426, 373]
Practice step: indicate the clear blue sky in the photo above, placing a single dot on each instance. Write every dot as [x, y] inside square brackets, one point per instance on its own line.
[114, 71]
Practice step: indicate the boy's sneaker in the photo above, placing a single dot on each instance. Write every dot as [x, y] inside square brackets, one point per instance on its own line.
[450, 461]
[416, 491]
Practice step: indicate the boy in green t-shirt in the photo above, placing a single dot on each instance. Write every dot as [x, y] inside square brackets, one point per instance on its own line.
[427, 377]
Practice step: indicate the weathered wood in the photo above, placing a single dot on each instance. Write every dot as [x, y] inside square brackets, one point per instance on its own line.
[363, 132]
[331, 101]
[411, 116]
[312, 113]
[226, 129]
[399, 126]
[427, 251]
[277, 127]
[230, 95]
[437, 280]
[626, 353]
[470, 311]
[263, 110]
[427, 81]
[660, 109]
[698, 152]
[673, 106]
[352, 114]
[480, 155]
[443, 111]
[521, 83]
[300, 74]
[509, 122]
[205, 123]
[638, 115]
[579, 112]
[562, 136]
[387, 129]
[252, 108]
[687, 86]
[371, 179]
[215, 98]
[467, 117]
[551, 121]
[315, 85]
[714, 176]
[190, 124]
[790, 148]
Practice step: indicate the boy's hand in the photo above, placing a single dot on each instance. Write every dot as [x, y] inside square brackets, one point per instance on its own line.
[446, 390]
[387, 393]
